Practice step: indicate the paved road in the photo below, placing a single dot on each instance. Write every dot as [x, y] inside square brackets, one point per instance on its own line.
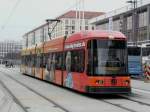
[7, 101]
[38, 96]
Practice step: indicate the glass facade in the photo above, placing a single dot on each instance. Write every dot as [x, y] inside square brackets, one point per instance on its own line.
[116, 25]
[141, 31]
[9, 47]
[142, 19]
[129, 23]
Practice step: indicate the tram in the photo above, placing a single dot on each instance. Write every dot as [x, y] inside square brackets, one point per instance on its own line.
[88, 61]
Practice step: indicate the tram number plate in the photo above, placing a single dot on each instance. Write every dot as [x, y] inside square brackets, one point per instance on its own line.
[113, 81]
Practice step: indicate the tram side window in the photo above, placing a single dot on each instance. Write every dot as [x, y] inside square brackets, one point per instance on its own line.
[51, 62]
[30, 61]
[38, 61]
[58, 61]
[33, 60]
[64, 61]
[23, 60]
[45, 58]
[77, 61]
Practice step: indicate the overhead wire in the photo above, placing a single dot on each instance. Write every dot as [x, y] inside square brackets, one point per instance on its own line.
[10, 14]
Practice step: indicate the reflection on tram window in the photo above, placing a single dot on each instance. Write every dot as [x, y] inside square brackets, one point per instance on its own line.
[107, 57]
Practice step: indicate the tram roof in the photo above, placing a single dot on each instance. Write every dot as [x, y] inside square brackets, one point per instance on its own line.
[94, 34]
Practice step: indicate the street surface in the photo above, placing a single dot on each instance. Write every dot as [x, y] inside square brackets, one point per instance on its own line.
[20, 93]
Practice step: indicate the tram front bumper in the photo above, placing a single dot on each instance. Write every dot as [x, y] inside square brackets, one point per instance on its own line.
[108, 90]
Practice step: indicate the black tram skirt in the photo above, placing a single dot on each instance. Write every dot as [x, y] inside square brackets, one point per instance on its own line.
[108, 90]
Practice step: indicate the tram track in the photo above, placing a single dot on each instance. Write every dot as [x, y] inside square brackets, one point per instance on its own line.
[142, 90]
[37, 93]
[15, 99]
[136, 101]
[119, 106]
[102, 100]
[126, 98]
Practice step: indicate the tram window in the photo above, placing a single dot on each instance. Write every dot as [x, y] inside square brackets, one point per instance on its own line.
[51, 62]
[23, 60]
[64, 61]
[33, 60]
[29, 61]
[106, 54]
[38, 61]
[77, 61]
[58, 61]
[68, 61]
[44, 60]
[74, 61]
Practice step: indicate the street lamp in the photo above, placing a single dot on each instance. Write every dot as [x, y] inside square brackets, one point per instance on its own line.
[134, 2]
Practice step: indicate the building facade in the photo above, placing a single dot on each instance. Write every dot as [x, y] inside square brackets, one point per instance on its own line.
[9, 47]
[69, 23]
[134, 22]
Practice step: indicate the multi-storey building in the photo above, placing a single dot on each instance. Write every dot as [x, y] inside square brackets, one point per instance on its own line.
[134, 22]
[9, 47]
[69, 23]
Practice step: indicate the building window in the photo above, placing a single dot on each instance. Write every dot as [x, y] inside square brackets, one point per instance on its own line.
[33, 38]
[129, 22]
[73, 27]
[66, 32]
[129, 36]
[93, 28]
[42, 35]
[66, 21]
[86, 28]
[116, 25]
[73, 22]
[142, 34]
[142, 19]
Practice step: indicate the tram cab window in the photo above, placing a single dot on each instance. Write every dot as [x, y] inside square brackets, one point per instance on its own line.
[107, 57]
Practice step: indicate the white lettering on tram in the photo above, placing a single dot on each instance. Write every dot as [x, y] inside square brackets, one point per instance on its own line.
[75, 45]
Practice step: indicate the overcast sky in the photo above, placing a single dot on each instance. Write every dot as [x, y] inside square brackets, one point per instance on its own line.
[28, 14]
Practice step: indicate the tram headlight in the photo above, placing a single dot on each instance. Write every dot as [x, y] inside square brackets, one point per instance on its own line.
[127, 82]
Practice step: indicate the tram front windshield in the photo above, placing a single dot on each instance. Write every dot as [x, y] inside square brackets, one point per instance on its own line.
[107, 57]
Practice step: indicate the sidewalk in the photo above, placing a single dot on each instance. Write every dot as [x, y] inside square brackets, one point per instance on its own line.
[140, 84]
